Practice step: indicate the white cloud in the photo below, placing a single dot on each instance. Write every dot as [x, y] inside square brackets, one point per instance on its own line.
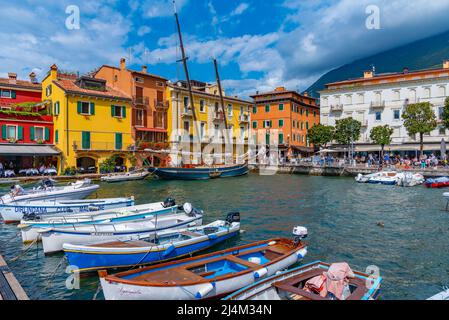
[161, 8]
[143, 30]
[241, 8]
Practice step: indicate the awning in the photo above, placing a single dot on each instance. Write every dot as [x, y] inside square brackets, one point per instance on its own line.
[27, 150]
[152, 130]
[399, 147]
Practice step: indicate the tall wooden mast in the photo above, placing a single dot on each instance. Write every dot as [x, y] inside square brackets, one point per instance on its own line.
[221, 93]
[186, 69]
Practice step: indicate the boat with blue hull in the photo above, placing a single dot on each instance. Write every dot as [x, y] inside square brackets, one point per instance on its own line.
[166, 246]
[200, 173]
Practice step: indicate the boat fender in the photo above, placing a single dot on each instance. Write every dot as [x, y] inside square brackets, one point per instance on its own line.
[260, 273]
[212, 236]
[169, 251]
[255, 260]
[205, 290]
[272, 243]
[301, 253]
[188, 208]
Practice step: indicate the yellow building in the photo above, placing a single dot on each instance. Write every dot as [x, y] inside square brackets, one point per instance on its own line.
[92, 121]
[209, 127]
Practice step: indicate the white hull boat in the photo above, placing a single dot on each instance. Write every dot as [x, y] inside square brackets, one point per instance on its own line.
[442, 296]
[48, 191]
[129, 176]
[409, 179]
[53, 239]
[14, 212]
[30, 229]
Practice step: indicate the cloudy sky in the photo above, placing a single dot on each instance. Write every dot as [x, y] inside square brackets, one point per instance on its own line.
[259, 44]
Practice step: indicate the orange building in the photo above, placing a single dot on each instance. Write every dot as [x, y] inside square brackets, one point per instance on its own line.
[149, 104]
[283, 117]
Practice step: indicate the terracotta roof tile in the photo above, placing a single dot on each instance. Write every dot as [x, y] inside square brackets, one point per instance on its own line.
[20, 84]
[71, 87]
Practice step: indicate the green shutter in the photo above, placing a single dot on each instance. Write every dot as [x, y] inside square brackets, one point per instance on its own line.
[80, 107]
[86, 141]
[20, 133]
[47, 134]
[281, 107]
[267, 108]
[56, 136]
[118, 141]
[254, 110]
[4, 132]
[255, 125]
[59, 108]
[13, 94]
[281, 138]
[32, 133]
[123, 112]
[267, 139]
[92, 108]
[113, 111]
[281, 123]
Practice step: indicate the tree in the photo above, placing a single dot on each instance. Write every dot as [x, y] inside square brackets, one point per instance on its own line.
[347, 130]
[419, 118]
[320, 135]
[381, 135]
[445, 114]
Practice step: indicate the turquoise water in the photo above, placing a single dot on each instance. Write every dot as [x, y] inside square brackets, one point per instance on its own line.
[411, 250]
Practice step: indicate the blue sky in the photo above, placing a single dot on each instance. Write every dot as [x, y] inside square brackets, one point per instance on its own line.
[259, 44]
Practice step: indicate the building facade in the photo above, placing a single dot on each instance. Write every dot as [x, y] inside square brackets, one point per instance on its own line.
[380, 99]
[211, 121]
[26, 126]
[149, 104]
[282, 118]
[92, 121]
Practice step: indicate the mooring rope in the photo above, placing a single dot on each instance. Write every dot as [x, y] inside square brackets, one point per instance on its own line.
[50, 278]
[98, 291]
[24, 251]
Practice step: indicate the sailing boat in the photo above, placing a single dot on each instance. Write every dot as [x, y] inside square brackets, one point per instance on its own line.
[198, 172]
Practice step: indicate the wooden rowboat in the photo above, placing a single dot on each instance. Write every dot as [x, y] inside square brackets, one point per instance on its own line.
[207, 276]
[292, 285]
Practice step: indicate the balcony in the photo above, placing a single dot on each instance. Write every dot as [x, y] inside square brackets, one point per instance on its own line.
[161, 105]
[141, 101]
[244, 118]
[219, 116]
[378, 104]
[337, 108]
[186, 113]
[98, 146]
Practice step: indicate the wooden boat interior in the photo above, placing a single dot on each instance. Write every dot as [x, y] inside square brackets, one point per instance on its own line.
[218, 267]
[293, 288]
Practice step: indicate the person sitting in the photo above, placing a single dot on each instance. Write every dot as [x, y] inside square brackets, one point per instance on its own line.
[17, 190]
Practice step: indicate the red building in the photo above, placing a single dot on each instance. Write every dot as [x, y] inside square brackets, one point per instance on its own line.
[26, 137]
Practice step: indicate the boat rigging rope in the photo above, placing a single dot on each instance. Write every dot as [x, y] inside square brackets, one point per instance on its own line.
[50, 278]
[97, 292]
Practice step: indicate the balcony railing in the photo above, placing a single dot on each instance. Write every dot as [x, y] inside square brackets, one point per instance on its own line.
[98, 146]
[141, 101]
[378, 104]
[337, 108]
[186, 113]
[244, 118]
[161, 104]
[218, 116]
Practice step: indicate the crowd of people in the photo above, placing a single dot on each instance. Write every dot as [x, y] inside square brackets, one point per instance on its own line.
[9, 169]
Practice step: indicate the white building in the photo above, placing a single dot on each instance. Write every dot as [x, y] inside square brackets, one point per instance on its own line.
[380, 99]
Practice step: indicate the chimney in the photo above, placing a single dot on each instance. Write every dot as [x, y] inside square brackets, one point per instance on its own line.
[54, 72]
[33, 77]
[144, 69]
[305, 94]
[279, 89]
[446, 64]
[406, 70]
[12, 77]
[368, 74]
[122, 63]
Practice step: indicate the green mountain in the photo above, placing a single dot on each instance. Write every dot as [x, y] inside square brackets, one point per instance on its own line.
[422, 54]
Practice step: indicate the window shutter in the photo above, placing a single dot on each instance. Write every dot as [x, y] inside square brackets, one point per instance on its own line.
[47, 134]
[59, 109]
[32, 133]
[20, 133]
[92, 108]
[113, 111]
[13, 94]
[4, 132]
[86, 141]
[118, 141]
[79, 107]
[56, 136]
[124, 112]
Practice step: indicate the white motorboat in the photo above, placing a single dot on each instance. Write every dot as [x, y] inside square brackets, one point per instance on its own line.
[31, 227]
[409, 179]
[442, 296]
[14, 212]
[53, 239]
[383, 177]
[47, 190]
[128, 176]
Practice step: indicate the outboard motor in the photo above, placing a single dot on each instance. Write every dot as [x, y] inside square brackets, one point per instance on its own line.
[232, 217]
[169, 202]
[31, 217]
[190, 210]
[299, 233]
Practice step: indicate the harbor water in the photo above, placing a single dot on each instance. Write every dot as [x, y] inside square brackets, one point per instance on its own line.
[401, 231]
